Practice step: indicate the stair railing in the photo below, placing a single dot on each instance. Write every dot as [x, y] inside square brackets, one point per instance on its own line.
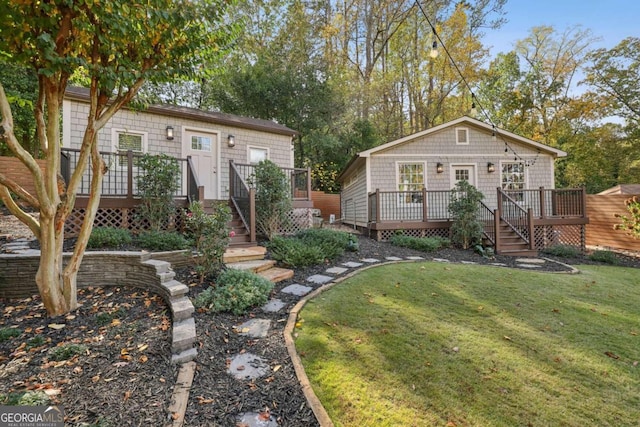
[243, 199]
[487, 217]
[520, 220]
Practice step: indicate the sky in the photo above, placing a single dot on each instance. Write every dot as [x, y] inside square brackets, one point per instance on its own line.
[610, 20]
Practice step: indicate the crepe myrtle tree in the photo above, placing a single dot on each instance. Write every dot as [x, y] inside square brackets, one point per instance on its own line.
[118, 45]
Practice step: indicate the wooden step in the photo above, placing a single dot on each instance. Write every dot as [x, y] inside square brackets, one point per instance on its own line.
[276, 274]
[520, 252]
[256, 266]
[237, 254]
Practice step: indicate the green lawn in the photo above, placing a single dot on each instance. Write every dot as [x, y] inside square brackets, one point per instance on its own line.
[432, 344]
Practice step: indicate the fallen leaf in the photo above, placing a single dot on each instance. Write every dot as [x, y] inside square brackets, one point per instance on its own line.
[52, 391]
[612, 355]
[127, 395]
[143, 347]
[277, 368]
[203, 401]
[507, 338]
[95, 378]
[143, 359]
[56, 326]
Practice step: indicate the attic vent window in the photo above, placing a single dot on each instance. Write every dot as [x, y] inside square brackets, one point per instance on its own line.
[462, 136]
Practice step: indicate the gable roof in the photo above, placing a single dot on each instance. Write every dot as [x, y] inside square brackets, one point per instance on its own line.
[501, 133]
[623, 189]
[82, 94]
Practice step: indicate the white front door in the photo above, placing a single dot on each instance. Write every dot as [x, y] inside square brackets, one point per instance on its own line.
[203, 149]
[463, 173]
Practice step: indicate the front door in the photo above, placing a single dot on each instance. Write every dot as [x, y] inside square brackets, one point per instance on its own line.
[203, 149]
[463, 173]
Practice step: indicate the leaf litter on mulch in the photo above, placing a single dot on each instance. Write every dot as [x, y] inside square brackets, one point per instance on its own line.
[123, 373]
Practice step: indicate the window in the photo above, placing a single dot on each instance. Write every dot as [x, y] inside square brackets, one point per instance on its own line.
[128, 141]
[411, 182]
[462, 175]
[513, 180]
[258, 154]
[462, 136]
[201, 143]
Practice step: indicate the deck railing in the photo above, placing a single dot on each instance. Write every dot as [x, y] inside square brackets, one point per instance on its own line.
[409, 206]
[122, 175]
[487, 218]
[298, 179]
[552, 203]
[243, 198]
[518, 218]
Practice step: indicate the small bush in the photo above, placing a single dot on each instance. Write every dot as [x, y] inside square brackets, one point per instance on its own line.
[109, 237]
[29, 398]
[162, 241]
[334, 243]
[236, 291]
[564, 251]
[293, 252]
[66, 351]
[424, 244]
[210, 235]
[606, 257]
[35, 342]
[7, 333]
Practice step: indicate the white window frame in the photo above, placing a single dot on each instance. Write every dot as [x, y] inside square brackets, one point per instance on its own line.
[525, 183]
[115, 143]
[401, 199]
[255, 147]
[466, 133]
[452, 173]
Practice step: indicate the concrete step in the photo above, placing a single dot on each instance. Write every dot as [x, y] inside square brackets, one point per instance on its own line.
[276, 274]
[237, 254]
[255, 265]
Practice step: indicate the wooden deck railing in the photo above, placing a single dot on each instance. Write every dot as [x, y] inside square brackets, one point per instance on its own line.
[299, 179]
[243, 198]
[392, 206]
[519, 219]
[121, 178]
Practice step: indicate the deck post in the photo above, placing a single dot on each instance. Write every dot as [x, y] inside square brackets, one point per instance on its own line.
[583, 194]
[424, 205]
[308, 183]
[377, 206]
[252, 214]
[542, 204]
[496, 227]
[129, 174]
[532, 237]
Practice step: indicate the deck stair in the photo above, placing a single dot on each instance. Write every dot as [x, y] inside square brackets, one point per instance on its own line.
[253, 259]
[241, 236]
[512, 244]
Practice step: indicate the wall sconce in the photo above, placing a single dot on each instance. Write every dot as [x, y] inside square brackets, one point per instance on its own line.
[231, 141]
[169, 133]
[439, 168]
[491, 167]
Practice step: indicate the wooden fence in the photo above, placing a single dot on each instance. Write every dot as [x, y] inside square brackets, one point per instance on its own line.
[327, 203]
[601, 210]
[14, 169]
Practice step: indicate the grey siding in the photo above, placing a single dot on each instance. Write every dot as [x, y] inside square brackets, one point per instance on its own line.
[354, 199]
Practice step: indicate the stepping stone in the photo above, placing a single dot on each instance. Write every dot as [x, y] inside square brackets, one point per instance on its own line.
[248, 366]
[276, 274]
[297, 290]
[414, 258]
[468, 262]
[255, 419]
[530, 261]
[441, 260]
[528, 265]
[319, 279]
[370, 260]
[336, 270]
[254, 328]
[274, 306]
[393, 258]
[352, 264]
[498, 264]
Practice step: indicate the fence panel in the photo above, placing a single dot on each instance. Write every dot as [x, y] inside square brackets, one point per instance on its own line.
[601, 210]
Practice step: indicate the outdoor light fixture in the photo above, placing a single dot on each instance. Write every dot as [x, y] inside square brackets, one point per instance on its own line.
[491, 167]
[169, 133]
[231, 141]
[439, 168]
[434, 47]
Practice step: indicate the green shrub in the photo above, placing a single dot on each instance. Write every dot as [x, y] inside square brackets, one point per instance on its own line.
[28, 398]
[333, 242]
[159, 180]
[210, 235]
[35, 342]
[293, 252]
[424, 244]
[109, 237]
[606, 257]
[66, 351]
[466, 230]
[564, 251]
[236, 291]
[162, 241]
[7, 333]
[273, 197]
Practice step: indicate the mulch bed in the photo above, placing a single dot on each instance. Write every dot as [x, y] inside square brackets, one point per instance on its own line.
[125, 377]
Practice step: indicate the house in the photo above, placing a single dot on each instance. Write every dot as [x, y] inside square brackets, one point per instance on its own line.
[406, 185]
[216, 153]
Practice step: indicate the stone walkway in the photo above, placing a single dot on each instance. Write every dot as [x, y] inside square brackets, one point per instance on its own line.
[248, 366]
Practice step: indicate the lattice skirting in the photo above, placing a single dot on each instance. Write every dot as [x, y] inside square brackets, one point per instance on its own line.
[553, 235]
[297, 220]
[384, 235]
[127, 218]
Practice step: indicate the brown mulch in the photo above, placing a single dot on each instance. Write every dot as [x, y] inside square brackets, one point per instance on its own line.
[124, 376]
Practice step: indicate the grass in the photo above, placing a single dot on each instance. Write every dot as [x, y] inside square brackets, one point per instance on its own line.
[434, 344]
